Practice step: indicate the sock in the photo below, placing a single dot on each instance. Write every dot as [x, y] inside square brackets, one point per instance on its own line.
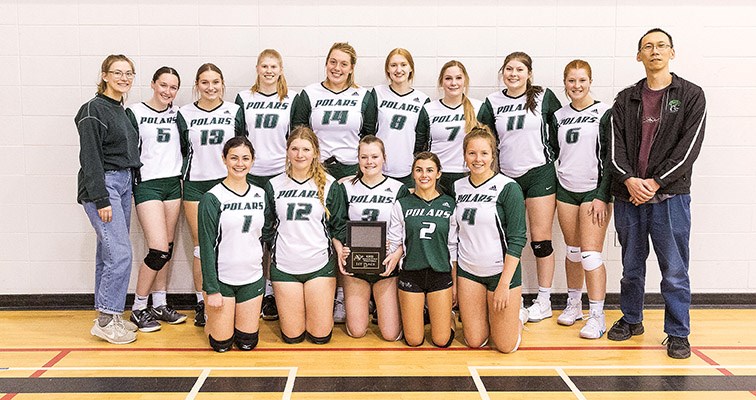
[268, 287]
[574, 294]
[103, 319]
[340, 293]
[596, 306]
[544, 294]
[140, 302]
[158, 298]
[199, 297]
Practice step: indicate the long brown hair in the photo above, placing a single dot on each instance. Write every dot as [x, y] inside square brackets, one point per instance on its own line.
[281, 87]
[471, 120]
[352, 53]
[531, 91]
[317, 172]
[105, 68]
[369, 139]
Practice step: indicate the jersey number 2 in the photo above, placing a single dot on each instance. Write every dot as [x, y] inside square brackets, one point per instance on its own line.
[425, 233]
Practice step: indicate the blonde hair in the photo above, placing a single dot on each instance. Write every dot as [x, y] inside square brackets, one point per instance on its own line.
[317, 172]
[281, 88]
[349, 50]
[105, 68]
[404, 53]
[483, 132]
[471, 120]
[531, 91]
[204, 68]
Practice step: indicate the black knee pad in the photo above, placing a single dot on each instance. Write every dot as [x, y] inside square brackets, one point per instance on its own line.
[542, 249]
[221, 346]
[451, 339]
[156, 259]
[413, 345]
[245, 341]
[170, 250]
[294, 340]
[319, 340]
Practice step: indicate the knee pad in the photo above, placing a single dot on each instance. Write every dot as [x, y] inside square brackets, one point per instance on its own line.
[517, 345]
[352, 335]
[221, 346]
[170, 250]
[485, 342]
[591, 260]
[413, 345]
[156, 259]
[196, 252]
[451, 339]
[319, 340]
[542, 249]
[245, 341]
[294, 340]
[573, 254]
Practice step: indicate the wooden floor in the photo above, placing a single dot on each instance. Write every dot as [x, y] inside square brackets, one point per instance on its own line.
[50, 355]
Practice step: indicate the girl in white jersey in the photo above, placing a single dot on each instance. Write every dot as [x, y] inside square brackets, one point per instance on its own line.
[231, 219]
[398, 107]
[444, 122]
[205, 126]
[369, 196]
[521, 117]
[303, 267]
[491, 234]
[583, 195]
[157, 195]
[338, 111]
[267, 111]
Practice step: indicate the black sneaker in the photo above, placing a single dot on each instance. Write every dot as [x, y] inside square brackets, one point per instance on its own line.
[677, 347]
[426, 316]
[167, 314]
[622, 330]
[199, 314]
[269, 309]
[144, 320]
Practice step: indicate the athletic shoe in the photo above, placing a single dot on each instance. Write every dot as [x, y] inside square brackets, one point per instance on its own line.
[622, 330]
[114, 332]
[199, 314]
[144, 320]
[571, 313]
[677, 347]
[167, 314]
[524, 315]
[374, 317]
[595, 326]
[339, 311]
[269, 310]
[426, 315]
[128, 325]
[538, 312]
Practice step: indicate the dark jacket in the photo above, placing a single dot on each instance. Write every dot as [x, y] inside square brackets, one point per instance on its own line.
[675, 146]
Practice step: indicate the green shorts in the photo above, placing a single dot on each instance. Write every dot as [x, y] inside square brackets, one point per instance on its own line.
[193, 190]
[539, 181]
[576, 199]
[408, 181]
[491, 282]
[260, 181]
[328, 271]
[161, 189]
[244, 292]
[446, 183]
[338, 170]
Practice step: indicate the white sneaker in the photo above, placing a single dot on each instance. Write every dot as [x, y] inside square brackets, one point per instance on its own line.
[538, 312]
[114, 332]
[524, 315]
[571, 313]
[595, 326]
[339, 311]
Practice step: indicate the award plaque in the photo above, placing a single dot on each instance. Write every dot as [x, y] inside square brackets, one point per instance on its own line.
[367, 243]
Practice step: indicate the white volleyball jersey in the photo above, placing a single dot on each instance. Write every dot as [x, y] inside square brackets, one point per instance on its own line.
[336, 118]
[159, 142]
[230, 229]
[397, 117]
[203, 134]
[445, 128]
[523, 136]
[302, 240]
[360, 202]
[490, 222]
[268, 122]
[582, 139]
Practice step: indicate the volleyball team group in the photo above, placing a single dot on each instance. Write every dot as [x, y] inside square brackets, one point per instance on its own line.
[268, 183]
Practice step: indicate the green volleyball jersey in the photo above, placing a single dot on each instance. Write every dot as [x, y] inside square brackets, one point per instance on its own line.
[203, 135]
[338, 119]
[159, 142]
[525, 138]
[360, 202]
[427, 230]
[444, 129]
[397, 117]
[230, 233]
[581, 148]
[490, 223]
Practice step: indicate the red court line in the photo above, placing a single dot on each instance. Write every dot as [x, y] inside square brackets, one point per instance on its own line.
[710, 361]
[38, 373]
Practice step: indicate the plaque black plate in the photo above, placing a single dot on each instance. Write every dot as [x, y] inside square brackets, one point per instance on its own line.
[367, 242]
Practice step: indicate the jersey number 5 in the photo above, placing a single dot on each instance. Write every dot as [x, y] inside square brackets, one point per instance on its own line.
[163, 135]
[425, 233]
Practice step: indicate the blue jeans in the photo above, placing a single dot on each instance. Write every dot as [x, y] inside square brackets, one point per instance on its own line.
[113, 256]
[668, 225]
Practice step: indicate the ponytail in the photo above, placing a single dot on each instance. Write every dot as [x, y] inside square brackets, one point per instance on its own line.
[317, 172]
[471, 120]
[531, 91]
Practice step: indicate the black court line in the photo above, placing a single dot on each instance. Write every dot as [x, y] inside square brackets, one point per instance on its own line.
[618, 383]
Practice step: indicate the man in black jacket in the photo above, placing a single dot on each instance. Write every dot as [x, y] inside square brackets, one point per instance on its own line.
[658, 127]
